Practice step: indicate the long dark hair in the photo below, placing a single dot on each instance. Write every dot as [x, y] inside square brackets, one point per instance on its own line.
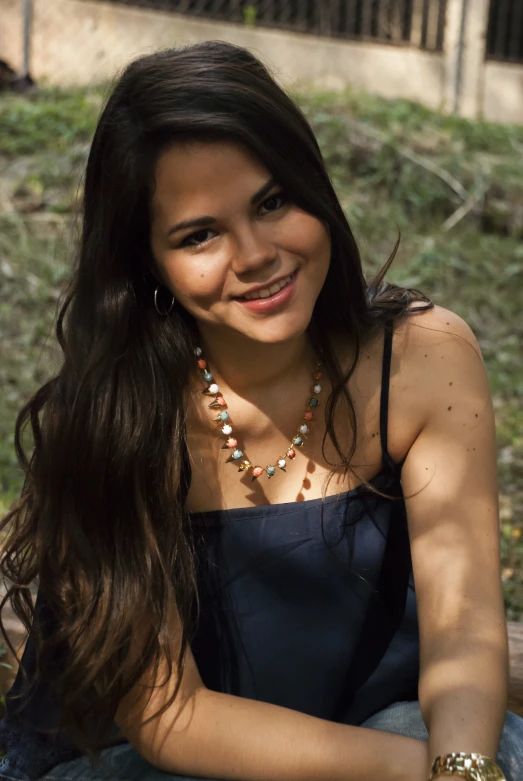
[100, 524]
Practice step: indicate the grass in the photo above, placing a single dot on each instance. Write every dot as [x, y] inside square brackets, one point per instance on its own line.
[396, 166]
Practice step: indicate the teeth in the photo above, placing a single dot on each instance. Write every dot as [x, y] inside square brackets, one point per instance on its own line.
[269, 291]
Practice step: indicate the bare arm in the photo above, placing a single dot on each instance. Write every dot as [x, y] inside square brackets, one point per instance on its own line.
[212, 735]
[451, 481]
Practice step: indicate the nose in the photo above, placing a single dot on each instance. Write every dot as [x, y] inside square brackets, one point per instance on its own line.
[253, 249]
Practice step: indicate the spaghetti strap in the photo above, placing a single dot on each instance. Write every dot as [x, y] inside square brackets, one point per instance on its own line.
[384, 402]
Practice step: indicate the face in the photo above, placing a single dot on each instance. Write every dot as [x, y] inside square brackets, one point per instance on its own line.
[226, 240]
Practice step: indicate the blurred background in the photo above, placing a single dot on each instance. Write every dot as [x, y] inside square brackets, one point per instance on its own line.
[418, 108]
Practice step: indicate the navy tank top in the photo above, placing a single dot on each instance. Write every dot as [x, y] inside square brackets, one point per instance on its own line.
[309, 605]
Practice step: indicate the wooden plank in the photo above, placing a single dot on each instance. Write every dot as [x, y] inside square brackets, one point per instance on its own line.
[335, 17]
[301, 17]
[515, 689]
[502, 27]
[515, 45]
[394, 10]
[390, 20]
[440, 34]
[266, 11]
[350, 22]
[416, 25]
[431, 39]
[367, 12]
[198, 7]
[381, 25]
[325, 17]
[286, 13]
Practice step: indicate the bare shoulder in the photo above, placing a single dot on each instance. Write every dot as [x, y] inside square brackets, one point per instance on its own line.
[438, 360]
[433, 327]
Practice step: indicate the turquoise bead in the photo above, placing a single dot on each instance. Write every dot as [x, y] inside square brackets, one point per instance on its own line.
[207, 376]
[271, 470]
[237, 454]
[224, 415]
[298, 441]
[313, 403]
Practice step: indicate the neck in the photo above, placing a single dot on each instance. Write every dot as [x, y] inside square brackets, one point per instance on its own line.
[243, 365]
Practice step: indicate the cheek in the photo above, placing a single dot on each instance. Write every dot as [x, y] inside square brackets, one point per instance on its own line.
[309, 236]
[316, 242]
[190, 281]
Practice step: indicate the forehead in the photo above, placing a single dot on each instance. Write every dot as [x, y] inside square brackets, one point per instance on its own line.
[194, 175]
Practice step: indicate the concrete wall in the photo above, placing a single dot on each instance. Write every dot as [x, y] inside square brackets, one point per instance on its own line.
[503, 92]
[78, 42]
[470, 85]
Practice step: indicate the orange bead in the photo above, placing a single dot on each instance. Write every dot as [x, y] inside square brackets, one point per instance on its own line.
[202, 364]
[257, 471]
[231, 442]
[291, 453]
[221, 401]
[318, 375]
[308, 416]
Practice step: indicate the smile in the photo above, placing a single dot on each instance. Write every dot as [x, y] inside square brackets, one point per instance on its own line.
[266, 292]
[271, 298]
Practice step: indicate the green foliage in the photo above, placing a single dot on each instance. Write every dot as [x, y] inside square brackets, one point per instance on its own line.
[47, 120]
[403, 119]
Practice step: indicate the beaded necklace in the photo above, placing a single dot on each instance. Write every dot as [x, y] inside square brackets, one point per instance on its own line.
[237, 456]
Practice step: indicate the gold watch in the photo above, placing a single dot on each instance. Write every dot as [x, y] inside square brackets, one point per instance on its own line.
[474, 767]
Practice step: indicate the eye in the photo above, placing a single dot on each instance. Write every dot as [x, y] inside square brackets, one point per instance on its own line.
[274, 202]
[197, 239]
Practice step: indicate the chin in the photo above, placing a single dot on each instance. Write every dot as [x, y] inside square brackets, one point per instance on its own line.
[277, 333]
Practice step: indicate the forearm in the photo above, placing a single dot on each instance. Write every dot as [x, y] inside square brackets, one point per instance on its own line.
[224, 736]
[463, 692]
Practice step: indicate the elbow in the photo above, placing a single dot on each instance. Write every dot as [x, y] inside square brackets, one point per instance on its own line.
[457, 667]
[166, 740]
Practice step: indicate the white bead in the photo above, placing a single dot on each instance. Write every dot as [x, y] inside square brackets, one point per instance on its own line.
[317, 389]
[198, 351]
[304, 429]
[281, 463]
[213, 388]
[227, 429]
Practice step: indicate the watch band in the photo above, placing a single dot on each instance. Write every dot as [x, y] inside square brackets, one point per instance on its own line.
[474, 767]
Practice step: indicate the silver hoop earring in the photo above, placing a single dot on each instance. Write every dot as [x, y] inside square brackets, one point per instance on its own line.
[163, 314]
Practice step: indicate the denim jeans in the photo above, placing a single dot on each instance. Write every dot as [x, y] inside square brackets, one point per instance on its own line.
[123, 763]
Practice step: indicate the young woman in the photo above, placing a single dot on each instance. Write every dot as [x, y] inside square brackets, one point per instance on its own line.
[262, 504]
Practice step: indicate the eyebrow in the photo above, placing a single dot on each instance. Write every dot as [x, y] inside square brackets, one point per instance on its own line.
[203, 222]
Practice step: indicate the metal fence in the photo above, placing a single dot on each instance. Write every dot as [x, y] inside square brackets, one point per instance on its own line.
[505, 31]
[418, 23]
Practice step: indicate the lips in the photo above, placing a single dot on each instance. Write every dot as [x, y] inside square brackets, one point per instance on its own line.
[271, 303]
[268, 290]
